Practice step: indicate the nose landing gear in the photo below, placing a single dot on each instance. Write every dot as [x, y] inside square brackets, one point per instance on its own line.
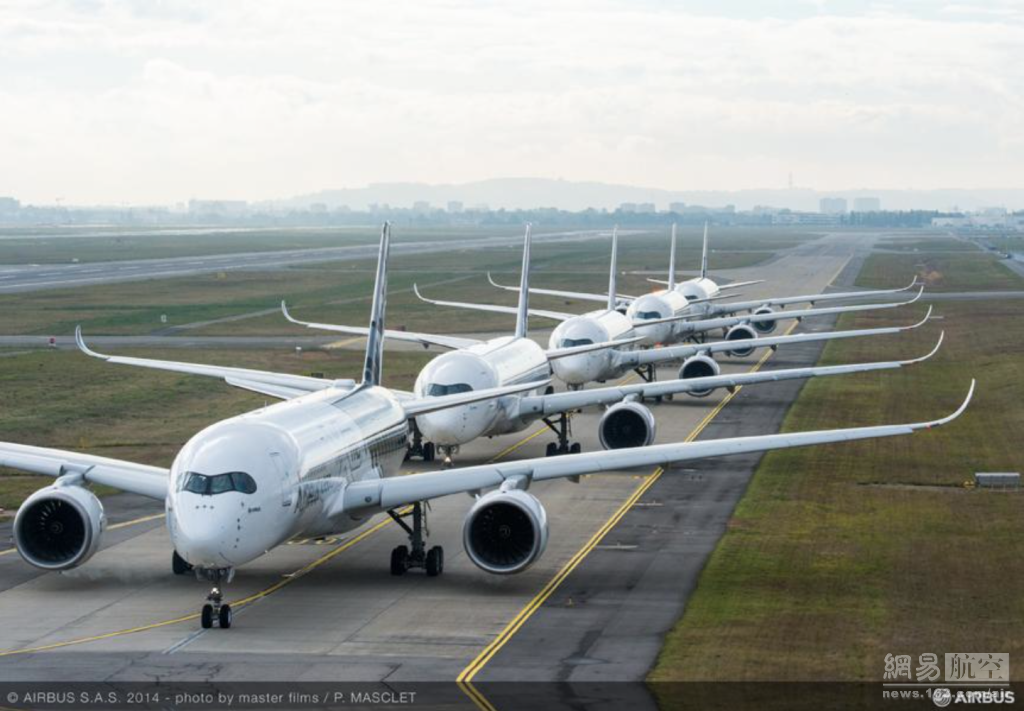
[215, 609]
[448, 451]
[402, 558]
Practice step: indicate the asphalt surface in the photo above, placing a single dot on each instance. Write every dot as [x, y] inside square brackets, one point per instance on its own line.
[343, 617]
[16, 279]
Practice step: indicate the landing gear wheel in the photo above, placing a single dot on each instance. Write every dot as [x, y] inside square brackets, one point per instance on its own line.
[575, 448]
[224, 617]
[207, 616]
[435, 561]
[399, 560]
[179, 565]
[428, 452]
[552, 450]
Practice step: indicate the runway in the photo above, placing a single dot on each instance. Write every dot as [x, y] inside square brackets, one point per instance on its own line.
[16, 279]
[624, 551]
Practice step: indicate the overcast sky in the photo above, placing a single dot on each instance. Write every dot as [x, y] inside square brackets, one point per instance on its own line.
[147, 101]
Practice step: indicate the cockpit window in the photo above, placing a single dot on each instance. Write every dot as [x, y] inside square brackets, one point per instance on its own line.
[647, 315]
[436, 389]
[219, 483]
[691, 297]
[573, 342]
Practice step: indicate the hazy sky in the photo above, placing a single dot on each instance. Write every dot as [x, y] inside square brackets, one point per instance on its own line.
[149, 101]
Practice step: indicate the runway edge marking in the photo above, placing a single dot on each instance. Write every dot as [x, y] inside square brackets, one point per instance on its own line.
[466, 676]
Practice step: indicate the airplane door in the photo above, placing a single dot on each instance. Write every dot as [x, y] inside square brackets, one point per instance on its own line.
[287, 485]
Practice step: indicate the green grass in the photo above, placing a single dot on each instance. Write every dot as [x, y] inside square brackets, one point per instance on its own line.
[940, 272]
[928, 244]
[65, 400]
[838, 555]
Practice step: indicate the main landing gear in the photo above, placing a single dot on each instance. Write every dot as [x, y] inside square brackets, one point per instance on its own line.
[562, 427]
[419, 448]
[402, 559]
[215, 609]
[649, 374]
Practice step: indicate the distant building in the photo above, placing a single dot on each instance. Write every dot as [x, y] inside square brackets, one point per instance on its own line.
[832, 206]
[454, 206]
[788, 217]
[9, 205]
[677, 207]
[421, 207]
[648, 208]
[220, 208]
[627, 207]
[866, 204]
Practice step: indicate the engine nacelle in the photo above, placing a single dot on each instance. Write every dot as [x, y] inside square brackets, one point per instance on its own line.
[699, 366]
[764, 327]
[741, 332]
[627, 424]
[505, 531]
[59, 527]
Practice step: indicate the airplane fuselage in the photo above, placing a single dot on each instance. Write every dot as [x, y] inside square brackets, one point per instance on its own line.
[247, 484]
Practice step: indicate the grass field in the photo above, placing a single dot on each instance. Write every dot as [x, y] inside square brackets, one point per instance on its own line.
[941, 272]
[138, 414]
[838, 555]
[928, 244]
[341, 292]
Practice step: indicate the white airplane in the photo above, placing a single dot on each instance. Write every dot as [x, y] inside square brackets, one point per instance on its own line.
[324, 462]
[611, 325]
[509, 360]
[685, 310]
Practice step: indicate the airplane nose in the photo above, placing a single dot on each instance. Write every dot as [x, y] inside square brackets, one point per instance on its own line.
[203, 532]
[457, 425]
[574, 370]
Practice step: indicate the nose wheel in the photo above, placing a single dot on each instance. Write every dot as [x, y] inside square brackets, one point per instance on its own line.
[448, 453]
[216, 611]
[416, 555]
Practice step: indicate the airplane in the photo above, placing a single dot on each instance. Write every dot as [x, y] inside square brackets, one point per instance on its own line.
[508, 360]
[687, 309]
[610, 325]
[323, 462]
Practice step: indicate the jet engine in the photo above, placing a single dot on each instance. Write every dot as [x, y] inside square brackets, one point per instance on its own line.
[627, 424]
[740, 333]
[764, 327]
[59, 527]
[699, 366]
[505, 531]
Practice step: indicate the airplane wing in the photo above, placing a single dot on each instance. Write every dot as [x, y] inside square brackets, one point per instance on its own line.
[396, 491]
[727, 321]
[740, 284]
[126, 476]
[554, 315]
[582, 296]
[424, 339]
[811, 298]
[633, 359]
[278, 385]
[543, 405]
[421, 406]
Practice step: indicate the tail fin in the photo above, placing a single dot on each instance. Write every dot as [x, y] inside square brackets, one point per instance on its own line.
[523, 314]
[704, 258]
[613, 271]
[373, 366]
[672, 261]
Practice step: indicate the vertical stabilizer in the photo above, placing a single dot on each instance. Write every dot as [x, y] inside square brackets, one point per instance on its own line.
[523, 315]
[613, 271]
[372, 367]
[704, 258]
[672, 261]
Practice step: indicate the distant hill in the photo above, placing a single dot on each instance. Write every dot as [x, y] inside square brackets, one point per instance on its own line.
[525, 193]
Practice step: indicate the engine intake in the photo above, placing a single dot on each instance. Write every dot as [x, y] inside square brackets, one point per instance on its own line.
[699, 366]
[505, 531]
[764, 327]
[59, 527]
[741, 332]
[627, 424]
